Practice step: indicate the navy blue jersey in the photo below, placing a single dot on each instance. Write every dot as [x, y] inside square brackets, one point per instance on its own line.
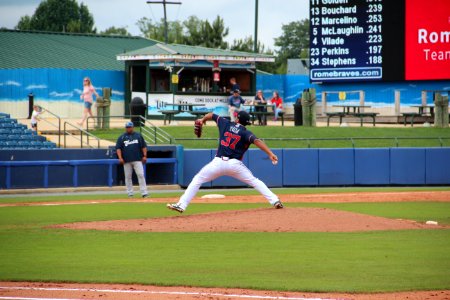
[131, 146]
[234, 138]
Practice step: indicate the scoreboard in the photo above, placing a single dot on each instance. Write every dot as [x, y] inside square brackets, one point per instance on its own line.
[379, 40]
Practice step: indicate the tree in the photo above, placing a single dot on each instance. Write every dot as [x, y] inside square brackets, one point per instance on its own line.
[246, 45]
[24, 23]
[121, 31]
[293, 43]
[59, 16]
[155, 31]
[193, 31]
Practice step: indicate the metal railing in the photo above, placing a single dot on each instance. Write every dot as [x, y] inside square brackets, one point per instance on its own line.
[150, 132]
[75, 136]
[52, 124]
[352, 139]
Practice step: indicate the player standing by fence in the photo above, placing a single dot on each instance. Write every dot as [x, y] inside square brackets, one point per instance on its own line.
[132, 153]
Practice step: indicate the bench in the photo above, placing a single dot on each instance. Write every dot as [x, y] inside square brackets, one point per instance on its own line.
[264, 114]
[168, 115]
[198, 114]
[411, 116]
[334, 114]
[361, 116]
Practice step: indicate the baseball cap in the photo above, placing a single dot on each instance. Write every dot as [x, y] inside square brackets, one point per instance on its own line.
[129, 124]
[237, 91]
[244, 118]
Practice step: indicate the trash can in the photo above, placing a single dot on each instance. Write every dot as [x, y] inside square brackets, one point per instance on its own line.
[298, 113]
[137, 108]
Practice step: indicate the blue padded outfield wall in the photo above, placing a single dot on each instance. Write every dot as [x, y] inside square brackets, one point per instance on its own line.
[377, 94]
[296, 167]
[334, 167]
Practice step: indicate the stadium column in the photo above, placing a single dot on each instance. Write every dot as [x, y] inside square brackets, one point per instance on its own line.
[127, 97]
[147, 87]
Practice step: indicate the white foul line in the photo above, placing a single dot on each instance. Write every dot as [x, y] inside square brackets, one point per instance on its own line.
[158, 293]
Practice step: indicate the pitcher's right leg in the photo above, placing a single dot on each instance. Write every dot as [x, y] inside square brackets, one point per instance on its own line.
[209, 172]
[242, 173]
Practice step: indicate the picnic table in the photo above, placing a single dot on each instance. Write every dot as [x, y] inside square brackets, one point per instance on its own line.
[422, 111]
[424, 108]
[264, 114]
[355, 108]
[353, 111]
[179, 108]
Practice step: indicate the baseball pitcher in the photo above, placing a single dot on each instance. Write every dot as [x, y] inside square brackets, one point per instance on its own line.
[234, 142]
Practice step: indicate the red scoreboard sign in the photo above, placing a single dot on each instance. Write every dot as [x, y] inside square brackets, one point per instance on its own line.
[427, 39]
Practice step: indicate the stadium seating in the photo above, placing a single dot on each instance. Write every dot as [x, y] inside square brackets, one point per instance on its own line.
[14, 135]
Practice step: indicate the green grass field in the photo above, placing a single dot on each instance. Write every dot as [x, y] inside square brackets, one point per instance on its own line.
[180, 132]
[335, 262]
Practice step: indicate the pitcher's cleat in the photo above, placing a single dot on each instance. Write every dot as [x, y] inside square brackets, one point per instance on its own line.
[175, 207]
[145, 196]
[278, 205]
[130, 196]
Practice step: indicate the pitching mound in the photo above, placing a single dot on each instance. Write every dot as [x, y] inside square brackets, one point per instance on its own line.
[257, 220]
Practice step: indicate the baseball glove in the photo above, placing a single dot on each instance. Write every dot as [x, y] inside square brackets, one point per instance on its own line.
[198, 127]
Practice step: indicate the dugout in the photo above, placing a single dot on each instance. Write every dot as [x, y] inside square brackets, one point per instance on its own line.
[169, 73]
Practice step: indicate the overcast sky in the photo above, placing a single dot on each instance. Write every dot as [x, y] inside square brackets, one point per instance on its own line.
[238, 14]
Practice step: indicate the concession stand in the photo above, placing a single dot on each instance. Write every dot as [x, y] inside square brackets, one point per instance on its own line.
[171, 75]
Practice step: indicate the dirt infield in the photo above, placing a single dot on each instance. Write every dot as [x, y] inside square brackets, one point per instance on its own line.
[257, 220]
[44, 291]
[439, 196]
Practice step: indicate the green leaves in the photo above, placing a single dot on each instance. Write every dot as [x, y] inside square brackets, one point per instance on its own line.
[59, 16]
[193, 31]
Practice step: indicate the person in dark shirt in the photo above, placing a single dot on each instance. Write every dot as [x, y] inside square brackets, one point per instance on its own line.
[234, 85]
[131, 150]
[261, 102]
[234, 104]
[234, 142]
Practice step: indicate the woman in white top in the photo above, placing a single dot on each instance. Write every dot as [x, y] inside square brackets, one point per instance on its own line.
[86, 96]
[37, 110]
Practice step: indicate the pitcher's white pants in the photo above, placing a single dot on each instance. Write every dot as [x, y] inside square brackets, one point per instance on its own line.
[139, 169]
[219, 167]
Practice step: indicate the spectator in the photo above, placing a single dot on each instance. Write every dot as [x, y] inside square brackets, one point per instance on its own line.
[234, 84]
[37, 110]
[234, 104]
[132, 153]
[277, 103]
[86, 96]
[260, 100]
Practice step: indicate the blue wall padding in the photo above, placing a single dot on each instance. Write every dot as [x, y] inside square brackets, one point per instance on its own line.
[58, 176]
[194, 160]
[300, 167]
[262, 167]
[372, 166]
[437, 165]
[407, 166]
[336, 167]
[92, 175]
[227, 180]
